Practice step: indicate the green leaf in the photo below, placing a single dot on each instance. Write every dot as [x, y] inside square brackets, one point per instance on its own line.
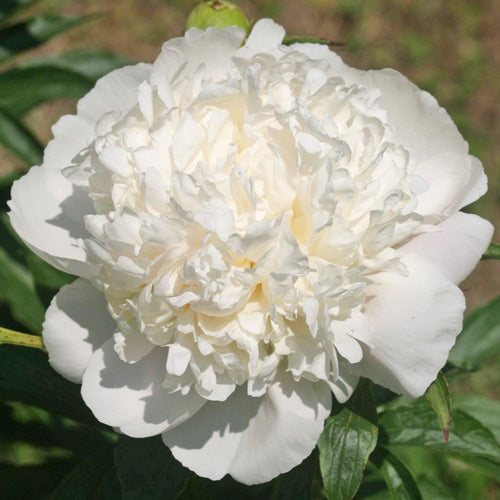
[299, 482]
[398, 478]
[147, 469]
[18, 139]
[417, 425]
[91, 64]
[31, 482]
[21, 89]
[486, 410]
[480, 337]
[28, 424]
[29, 34]
[346, 443]
[26, 376]
[10, 7]
[45, 275]
[438, 397]
[94, 477]
[18, 291]
[493, 252]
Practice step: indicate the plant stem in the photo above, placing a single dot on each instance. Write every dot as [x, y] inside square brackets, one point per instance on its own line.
[23, 339]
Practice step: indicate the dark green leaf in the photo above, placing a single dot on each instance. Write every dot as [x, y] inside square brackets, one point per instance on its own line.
[94, 477]
[480, 338]
[199, 488]
[486, 410]
[438, 397]
[91, 64]
[45, 275]
[29, 34]
[299, 482]
[24, 88]
[10, 7]
[346, 443]
[31, 482]
[18, 139]
[493, 252]
[398, 478]
[417, 425]
[26, 376]
[29, 424]
[18, 290]
[147, 469]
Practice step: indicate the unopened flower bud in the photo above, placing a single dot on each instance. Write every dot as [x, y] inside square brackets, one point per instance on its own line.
[217, 13]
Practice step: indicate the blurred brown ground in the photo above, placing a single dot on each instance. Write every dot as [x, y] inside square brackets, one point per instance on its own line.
[450, 48]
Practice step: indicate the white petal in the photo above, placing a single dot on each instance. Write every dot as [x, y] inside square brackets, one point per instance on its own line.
[456, 248]
[132, 347]
[130, 396]
[47, 213]
[423, 127]
[345, 383]
[265, 36]
[76, 324]
[117, 91]
[212, 48]
[415, 321]
[420, 123]
[253, 439]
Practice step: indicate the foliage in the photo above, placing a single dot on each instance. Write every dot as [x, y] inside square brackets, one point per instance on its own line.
[377, 446]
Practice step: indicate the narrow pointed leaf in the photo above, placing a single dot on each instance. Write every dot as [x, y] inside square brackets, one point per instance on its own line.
[493, 252]
[17, 138]
[346, 443]
[11, 7]
[417, 425]
[147, 469]
[438, 397]
[399, 480]
[21, 89]
[480, 337]
[29, 34]
[18, 290]
[91, 64]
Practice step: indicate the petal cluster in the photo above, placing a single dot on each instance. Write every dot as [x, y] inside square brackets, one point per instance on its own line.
[255, 227]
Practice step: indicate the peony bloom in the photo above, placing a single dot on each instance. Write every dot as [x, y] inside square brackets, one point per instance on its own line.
[254, 228]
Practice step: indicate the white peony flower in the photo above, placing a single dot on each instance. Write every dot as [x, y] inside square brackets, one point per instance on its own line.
[254, 228]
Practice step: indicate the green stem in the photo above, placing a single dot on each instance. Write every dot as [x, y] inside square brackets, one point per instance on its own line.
[23, 339]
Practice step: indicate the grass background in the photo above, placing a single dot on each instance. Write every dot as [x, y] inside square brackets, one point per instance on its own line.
[449, 48]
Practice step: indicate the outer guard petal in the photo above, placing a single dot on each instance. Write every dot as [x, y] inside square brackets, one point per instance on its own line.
[47, 213]
[456, 248]
[415, 320]
[253, 439]
[130, 397]
[77, 323]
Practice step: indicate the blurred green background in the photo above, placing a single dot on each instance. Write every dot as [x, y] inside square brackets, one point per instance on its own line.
[449, 48]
